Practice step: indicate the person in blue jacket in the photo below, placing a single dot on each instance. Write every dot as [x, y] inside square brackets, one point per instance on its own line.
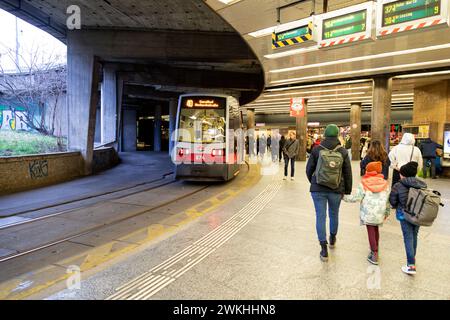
[428, 148]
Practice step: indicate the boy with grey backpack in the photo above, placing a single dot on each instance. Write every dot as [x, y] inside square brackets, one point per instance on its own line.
[415, 206]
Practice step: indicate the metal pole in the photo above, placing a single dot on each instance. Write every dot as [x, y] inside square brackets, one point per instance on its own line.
[17, 44]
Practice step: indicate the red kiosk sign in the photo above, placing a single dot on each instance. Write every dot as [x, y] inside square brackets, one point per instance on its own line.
[297, 107]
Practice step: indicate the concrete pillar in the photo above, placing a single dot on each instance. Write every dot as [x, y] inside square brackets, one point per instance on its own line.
[129, 131]
[301, 124]
[251, 131]
[98, 126]
[381, 110]
[173, 108]
[157, 129]
[109, 106]
[355, 130]
[83, 73]
[119, 131]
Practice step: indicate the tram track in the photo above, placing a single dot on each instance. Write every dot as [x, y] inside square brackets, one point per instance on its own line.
[98, 195]
[98, 227]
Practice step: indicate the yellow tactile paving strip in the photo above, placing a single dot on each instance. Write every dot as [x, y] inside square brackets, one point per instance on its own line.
[29, 284]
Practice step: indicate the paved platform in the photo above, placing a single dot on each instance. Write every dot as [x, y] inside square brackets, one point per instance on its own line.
[136, 168]
[263, 245]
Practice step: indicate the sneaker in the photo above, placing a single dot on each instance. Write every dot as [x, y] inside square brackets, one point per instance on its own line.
[332, 241]
[285, 178]
[324, 252]
[411, 270]
[292, 179]
[373, 258]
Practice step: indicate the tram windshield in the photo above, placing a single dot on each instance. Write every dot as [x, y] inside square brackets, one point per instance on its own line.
[201, 124]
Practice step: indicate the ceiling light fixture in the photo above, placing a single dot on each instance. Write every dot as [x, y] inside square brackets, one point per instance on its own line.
[370, 57]
[319, 85]
[314, 91]
[425, 74]
[402, 66]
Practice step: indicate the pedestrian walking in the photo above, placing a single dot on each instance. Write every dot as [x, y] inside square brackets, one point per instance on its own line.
[398, 199]
[330, 173]
[429, 153]
[376, 153]
[281, 146]
[373, 194]
[290, 151]
[404, 153]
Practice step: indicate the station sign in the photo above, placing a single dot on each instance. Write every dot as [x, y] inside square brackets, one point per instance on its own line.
[397, 16]
[292, 33]
[346, 25]
[298, 106]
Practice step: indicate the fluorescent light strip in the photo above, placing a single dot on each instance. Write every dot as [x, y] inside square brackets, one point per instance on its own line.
[315, 91]
[326, 101]
[319, 85]
[374, 56]
[325, 95]
[228, 2]
[402, 66]
[426, 74]
[262, 32]
[290, 52]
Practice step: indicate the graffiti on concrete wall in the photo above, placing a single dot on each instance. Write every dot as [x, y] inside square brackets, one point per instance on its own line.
[13, 120]
[38, 169]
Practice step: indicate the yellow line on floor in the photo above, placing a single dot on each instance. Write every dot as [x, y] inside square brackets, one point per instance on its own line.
[11, 290]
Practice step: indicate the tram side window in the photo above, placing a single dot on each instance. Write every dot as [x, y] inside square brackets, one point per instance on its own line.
[202, 125]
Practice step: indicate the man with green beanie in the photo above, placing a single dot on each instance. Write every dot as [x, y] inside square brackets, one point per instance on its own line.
[324, 195]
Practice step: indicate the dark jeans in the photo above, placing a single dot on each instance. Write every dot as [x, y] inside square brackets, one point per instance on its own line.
[395, 177]
[374, 237]
[410, 232]
[433, 167]
[321, 200]
[281, 156]
[286, 164]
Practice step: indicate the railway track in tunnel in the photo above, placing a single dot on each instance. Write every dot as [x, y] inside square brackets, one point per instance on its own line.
[98, 227]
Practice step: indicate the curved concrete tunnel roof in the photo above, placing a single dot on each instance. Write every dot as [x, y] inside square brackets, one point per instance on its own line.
[185, 42]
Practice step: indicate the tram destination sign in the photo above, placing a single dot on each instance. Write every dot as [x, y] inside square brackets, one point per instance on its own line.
[345, 25]
[204, 102]
[409, 10]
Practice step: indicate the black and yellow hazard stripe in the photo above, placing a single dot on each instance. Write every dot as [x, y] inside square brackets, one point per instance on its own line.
[292, 41]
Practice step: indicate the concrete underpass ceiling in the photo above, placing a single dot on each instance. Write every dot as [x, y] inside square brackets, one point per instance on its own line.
[333, 64]
[172, 27]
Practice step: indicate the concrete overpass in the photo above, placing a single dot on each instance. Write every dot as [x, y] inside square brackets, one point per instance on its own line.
[140, 51]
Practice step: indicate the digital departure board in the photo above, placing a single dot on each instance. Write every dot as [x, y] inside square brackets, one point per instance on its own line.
[344, 25]
[293, 33]
[204, 102]
[409, 10]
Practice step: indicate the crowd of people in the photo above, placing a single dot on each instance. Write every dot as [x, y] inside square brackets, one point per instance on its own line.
[330, 175]
[329, 172]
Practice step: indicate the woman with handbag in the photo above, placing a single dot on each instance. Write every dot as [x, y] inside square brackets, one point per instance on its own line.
[404, 153]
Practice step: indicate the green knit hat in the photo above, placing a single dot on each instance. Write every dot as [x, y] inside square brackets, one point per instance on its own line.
[332, 130]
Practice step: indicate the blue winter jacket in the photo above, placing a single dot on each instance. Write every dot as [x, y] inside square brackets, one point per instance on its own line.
[399, 194]
[428, 148]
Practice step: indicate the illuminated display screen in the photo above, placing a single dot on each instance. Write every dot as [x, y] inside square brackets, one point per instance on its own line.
[344, 25]
[447, 142]
[409, 10]
[204, 102]
[293, 33]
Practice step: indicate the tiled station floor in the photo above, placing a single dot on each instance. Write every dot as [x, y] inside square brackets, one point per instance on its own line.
[263, 245]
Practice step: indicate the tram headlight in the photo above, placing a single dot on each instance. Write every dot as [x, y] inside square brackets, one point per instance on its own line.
[182, 152]
[217, 152]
